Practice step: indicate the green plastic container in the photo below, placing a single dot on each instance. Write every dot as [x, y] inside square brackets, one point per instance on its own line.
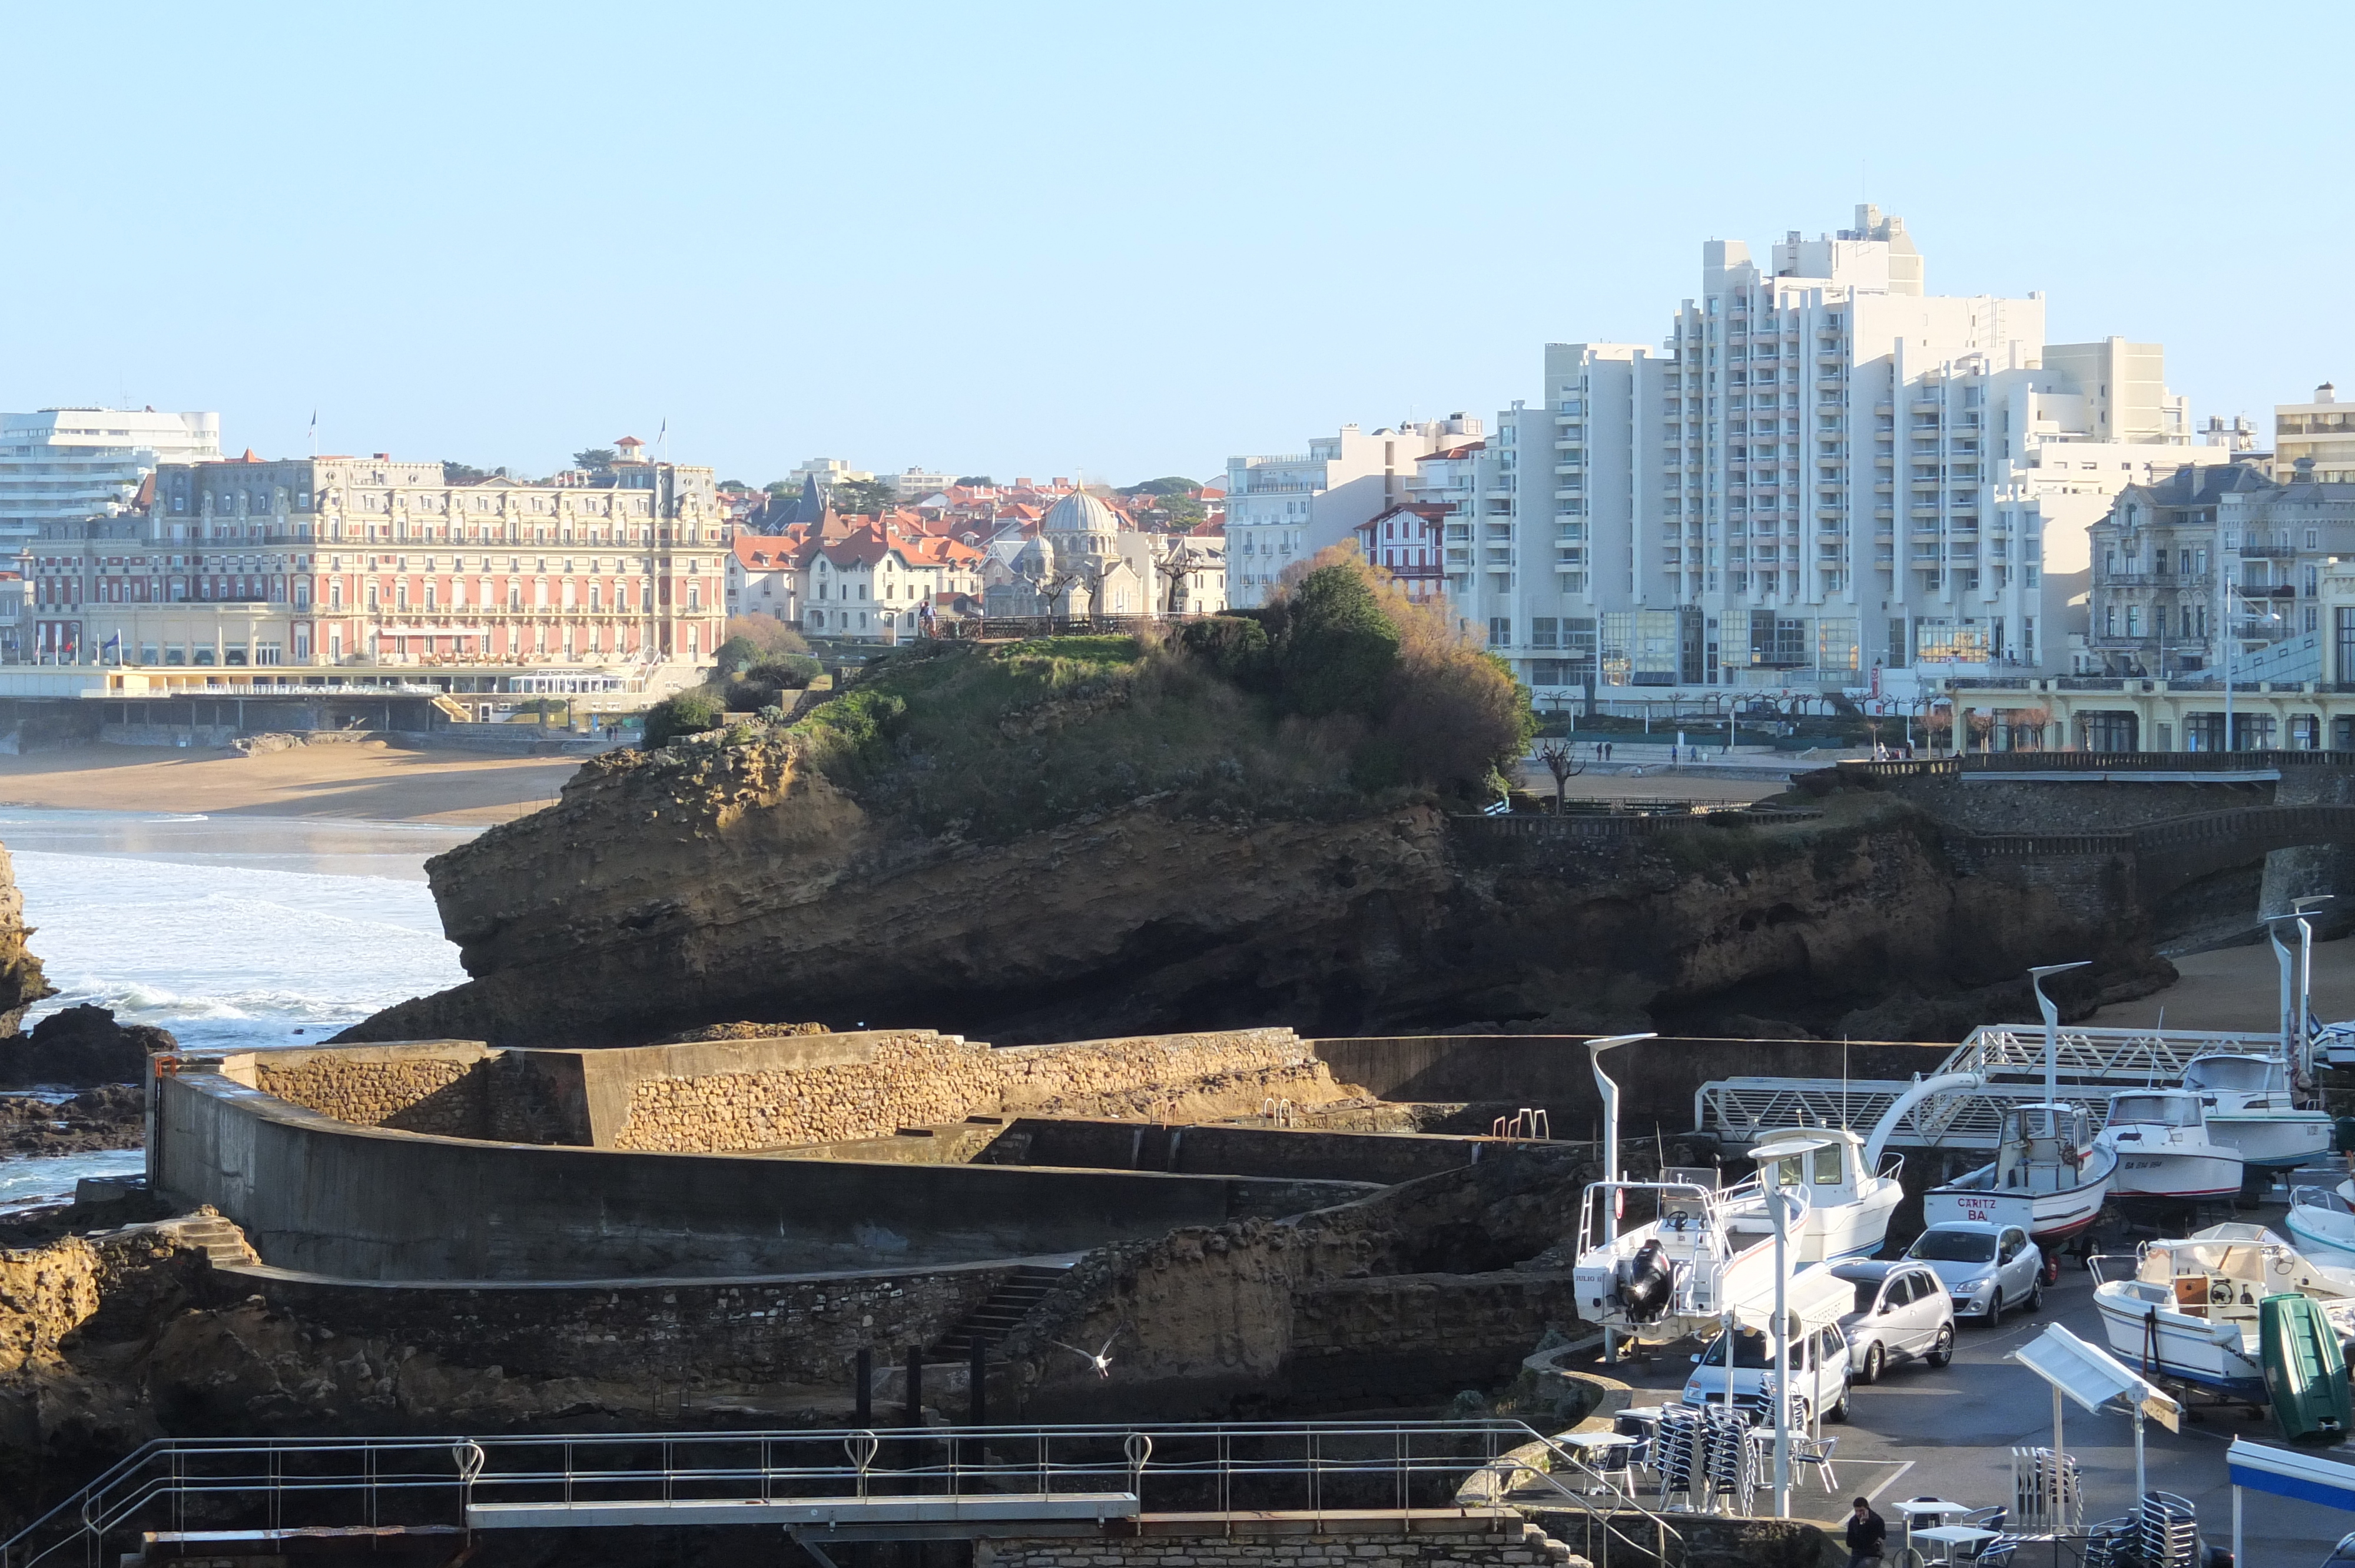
[2304, 1371]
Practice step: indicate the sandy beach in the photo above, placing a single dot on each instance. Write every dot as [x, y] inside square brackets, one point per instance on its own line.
[2237, 987]
[373, 780]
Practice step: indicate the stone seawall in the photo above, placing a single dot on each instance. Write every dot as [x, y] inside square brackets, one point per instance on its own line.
[1330, 1538]
[921, 1078]
[779, 1091]
[802, 1332]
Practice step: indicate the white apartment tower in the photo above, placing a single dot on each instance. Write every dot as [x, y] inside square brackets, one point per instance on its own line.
[62, 465]
[1826, 473]
[1286, 509]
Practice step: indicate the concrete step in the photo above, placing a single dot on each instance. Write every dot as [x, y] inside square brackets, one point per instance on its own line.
[998, 1314]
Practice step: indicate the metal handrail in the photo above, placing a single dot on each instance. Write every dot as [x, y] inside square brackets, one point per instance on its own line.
[443, 1476]
[1663, 1530]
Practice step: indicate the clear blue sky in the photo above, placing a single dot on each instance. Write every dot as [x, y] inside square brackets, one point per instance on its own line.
[1120, 240]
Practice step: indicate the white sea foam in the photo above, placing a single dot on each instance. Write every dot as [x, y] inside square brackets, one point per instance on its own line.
[221, 951]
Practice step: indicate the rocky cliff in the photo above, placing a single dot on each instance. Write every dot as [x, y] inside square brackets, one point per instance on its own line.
[731, 879]
[21, 980]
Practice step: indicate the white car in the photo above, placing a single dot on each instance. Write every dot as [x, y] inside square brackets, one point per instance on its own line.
[1902, 1314]
[1819, 1371]
[1985, 1268]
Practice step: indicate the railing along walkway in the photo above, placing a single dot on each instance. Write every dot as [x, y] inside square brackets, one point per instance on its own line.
[906, 1483]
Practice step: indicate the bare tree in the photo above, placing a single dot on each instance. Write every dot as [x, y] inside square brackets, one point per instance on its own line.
[1555, 755]
[1173, 566]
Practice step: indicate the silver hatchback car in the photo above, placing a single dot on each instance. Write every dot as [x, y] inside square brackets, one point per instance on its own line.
[1901, 1313]
[1984, 1268]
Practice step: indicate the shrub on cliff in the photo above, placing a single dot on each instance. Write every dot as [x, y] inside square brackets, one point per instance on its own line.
[689, 713]
[1340, 649]
[791, 672]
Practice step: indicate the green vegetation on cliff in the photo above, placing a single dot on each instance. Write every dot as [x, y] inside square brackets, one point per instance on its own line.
[1345, 698]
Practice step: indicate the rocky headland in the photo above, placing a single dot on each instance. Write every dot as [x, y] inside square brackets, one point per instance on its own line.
[1085, 837]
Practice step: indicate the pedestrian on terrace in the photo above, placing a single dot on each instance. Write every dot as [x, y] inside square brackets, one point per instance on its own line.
[1867, 1533]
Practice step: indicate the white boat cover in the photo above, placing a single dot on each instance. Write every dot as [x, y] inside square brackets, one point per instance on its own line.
[2092, 1377]
[2290, 1473]
[1815, 1300]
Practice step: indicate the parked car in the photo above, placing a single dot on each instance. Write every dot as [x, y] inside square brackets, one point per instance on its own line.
[1902, 1313]
[1985, 1268]
[1819, 1371]
[2341, 1555]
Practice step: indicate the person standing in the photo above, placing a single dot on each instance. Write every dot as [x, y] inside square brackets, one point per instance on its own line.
[1867, 1533]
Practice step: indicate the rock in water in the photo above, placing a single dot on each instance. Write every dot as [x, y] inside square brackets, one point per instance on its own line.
[77, 1047]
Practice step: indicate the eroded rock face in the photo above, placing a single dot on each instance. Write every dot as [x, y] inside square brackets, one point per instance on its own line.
[723, 882]
[21, 980]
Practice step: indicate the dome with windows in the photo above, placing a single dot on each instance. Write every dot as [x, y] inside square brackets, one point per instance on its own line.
[1080, 512]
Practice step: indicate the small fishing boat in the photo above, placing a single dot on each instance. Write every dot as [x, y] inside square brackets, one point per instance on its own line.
[2166, 1157]
[2249, 1108]
[2049, 1177]
[2322, 1222]
[2190, 1311]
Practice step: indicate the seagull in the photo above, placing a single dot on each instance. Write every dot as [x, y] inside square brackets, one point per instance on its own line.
[1100, 1359]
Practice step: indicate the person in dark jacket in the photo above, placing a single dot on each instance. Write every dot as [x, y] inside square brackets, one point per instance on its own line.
[1866, 1533]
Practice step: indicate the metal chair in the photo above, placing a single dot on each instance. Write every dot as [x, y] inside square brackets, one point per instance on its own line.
[1817, 1451]
[1998, 1553]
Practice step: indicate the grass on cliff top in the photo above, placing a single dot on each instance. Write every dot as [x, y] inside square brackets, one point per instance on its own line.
[991, 743]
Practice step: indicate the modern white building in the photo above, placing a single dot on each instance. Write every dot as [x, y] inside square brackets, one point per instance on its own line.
[2322, 432]
[62, 465]
[1826, 475]
[1286, 509]
[912, 485]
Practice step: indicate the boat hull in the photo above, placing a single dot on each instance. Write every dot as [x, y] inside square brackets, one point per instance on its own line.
[2315, 1233]
[2164, 1343]
[2163, 1174]
[2047, 1217]
[2273, 1139]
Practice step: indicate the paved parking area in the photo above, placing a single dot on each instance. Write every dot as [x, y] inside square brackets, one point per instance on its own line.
[1950, 1434]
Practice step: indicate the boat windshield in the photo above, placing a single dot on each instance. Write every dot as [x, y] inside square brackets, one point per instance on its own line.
[2233, 1074]
[1939, 1246]
[2165, 1110]
[1751, 1349]
[2319, 1198]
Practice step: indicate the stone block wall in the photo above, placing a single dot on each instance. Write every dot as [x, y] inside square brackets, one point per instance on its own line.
[1478, 1539]
[921, 1078]
[433, 1089]
[805, 1332]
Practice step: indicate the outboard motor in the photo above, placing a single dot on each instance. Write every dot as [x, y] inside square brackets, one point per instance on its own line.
[1646, 1283]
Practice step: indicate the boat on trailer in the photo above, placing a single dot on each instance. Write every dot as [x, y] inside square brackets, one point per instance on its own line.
[2190, 1311]
[2249, 1106]
[2167, 1160]
[2049, 1177]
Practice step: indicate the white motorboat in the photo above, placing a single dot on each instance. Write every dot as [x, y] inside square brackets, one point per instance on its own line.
[2189, 1312]
[2249, 1106]
[1679, 1270]
[2049, 1177]
[2322, 1222]
[2165, 1155]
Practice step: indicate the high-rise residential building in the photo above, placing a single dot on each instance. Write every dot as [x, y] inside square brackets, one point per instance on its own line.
[63, 464]
[2321, 432]
[1286, 509]
[1825, 474]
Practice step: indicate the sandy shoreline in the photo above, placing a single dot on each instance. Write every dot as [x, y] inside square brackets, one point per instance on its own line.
[372, 780]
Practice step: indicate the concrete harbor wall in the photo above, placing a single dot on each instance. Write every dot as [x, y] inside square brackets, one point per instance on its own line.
[325, 1196]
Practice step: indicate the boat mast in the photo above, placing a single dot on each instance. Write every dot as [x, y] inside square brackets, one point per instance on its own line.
[2052, 1012]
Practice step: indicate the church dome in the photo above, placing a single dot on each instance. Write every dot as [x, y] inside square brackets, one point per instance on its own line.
[1080, 512]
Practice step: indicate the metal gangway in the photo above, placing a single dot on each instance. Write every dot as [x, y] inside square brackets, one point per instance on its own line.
[228, 1494]
[2090, 1063]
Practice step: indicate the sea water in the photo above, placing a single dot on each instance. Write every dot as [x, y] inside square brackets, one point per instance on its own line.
[226, 930]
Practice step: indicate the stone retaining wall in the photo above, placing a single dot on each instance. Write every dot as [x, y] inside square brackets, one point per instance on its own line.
[921, 1078]
[1331, 1539]
[438, 1087]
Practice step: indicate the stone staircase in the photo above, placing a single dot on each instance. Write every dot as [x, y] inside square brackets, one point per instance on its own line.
[998, 1312]
[1548, 1550]
[217, 1237]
